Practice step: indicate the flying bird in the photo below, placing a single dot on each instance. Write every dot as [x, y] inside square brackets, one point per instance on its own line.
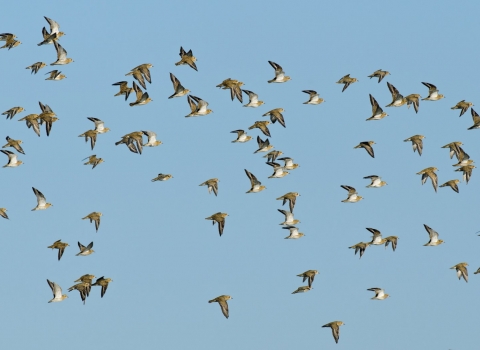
[220, 219]
[380, 74]
[41, 201]
[57, 292]
[222, 301]
[280, 76]
[187, 58]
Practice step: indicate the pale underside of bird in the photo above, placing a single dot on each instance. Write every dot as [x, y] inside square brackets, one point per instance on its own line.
[353, 196]
[376, 181]
[255, 185]
[294, 234]
[434, 240]
[57, 292]
[289, 218]
[280, 76]
[379, 294]
[41, 201]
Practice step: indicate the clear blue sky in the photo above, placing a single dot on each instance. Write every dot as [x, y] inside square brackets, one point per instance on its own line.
[165, 259]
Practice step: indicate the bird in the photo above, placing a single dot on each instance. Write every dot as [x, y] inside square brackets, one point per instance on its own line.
[241, 136]
[94, 217]
[133, 141]
[10, 41]
[32, 122]
[377, 237]
[289, 219]
[162, 177]
[314, 98]
[413, 99]
[289, 163]
[99, 125]
[256, 186]
[380, 74]
[464, 162]
[60, 246]
[346, 81]
[376, 181]
[393, 240]
[84, 251]
[294, 234]
[151, 139]
[187, 58]
[15, 144]
[3, 213]
[220, 219]
[397, 98]
[263, 146]
[36, 67]
[54, 27]
[86, 278]
[263, 126]
[41, 201]
[360, 247]
[379, 294]
[272, 155]
[377, 111]
[12, 159]
[477, 272]
[467, 171]
[302, 289]
[92, 135]
[234, 87]
[352, 195]
[142, 72]
[335, 326]
[102, 282]
[276, 115]
[463, 106]
[310, 275]
[367, 145]
[453, 184]
[433, 237]
[55, 75]
[47, 116]
[461, 270]
[57, 292]
[253, 99]
[93, 160]
[291, 197]
[433, 94]
[212, 185]
[124, 89]
[280, 76]
[142, 97]
[61, 55]
[222, 301]
[83, 288]
[278, 171]
[198, 106]
[429, 173]
[12, 112]
[178, 88]
[476, 120]
[417, 143]
[456, 150]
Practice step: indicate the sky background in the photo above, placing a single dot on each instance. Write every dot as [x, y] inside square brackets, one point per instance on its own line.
[165, 259]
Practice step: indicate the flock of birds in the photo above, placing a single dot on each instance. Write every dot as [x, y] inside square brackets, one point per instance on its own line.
[135, 142]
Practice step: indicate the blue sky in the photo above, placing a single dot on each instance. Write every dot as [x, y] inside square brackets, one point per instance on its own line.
[165, 259]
